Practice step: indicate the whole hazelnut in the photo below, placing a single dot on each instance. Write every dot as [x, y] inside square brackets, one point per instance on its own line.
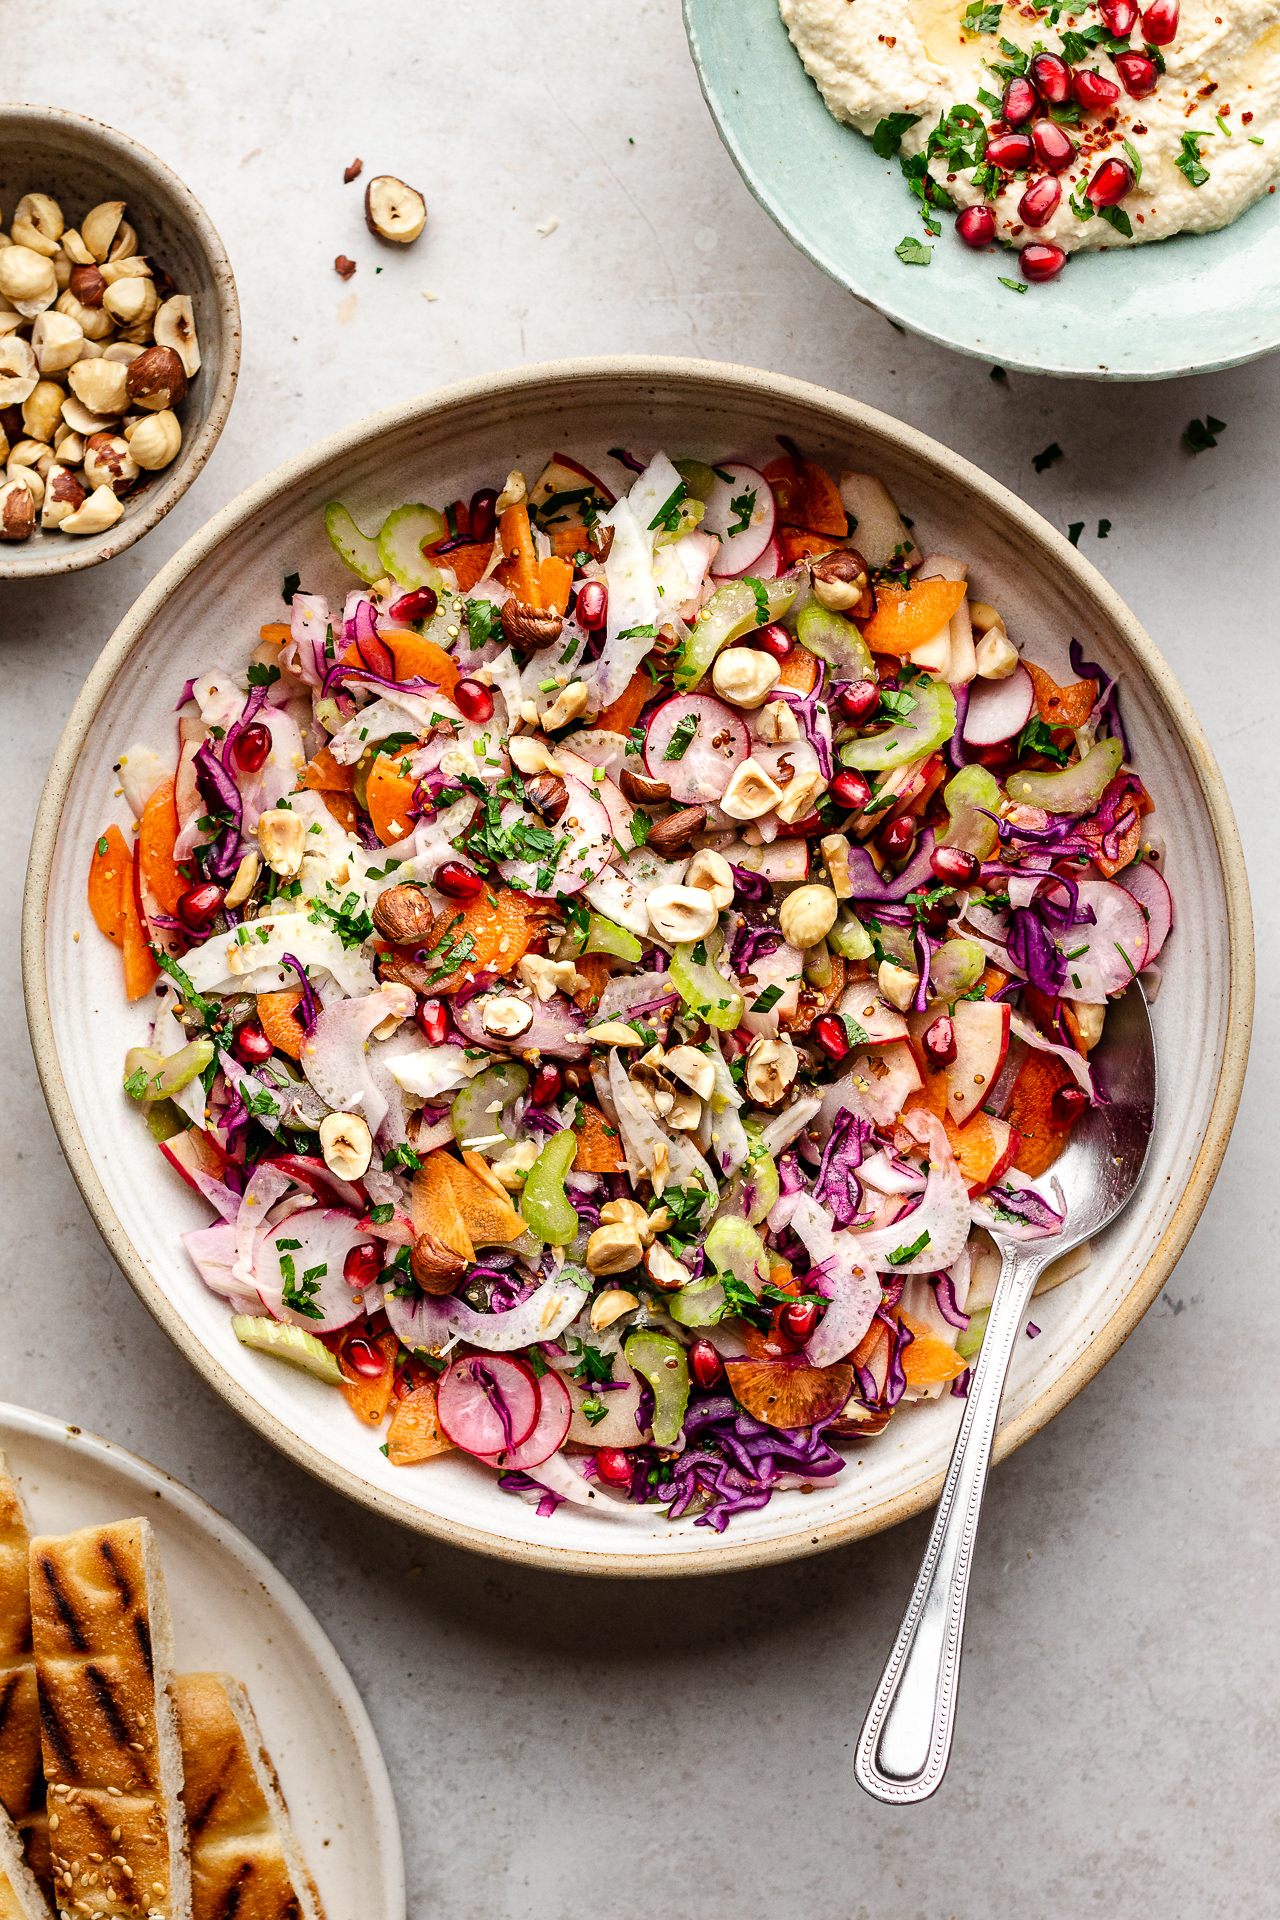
[88, 285]
[17, 511]
[156, 379]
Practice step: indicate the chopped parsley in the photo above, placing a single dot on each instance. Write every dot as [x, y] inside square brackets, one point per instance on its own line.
[981, 19]
[887, 138]
[1036, 737]
[856, 1035]
[400, 1157]
[299, 1294]
[261, 675]
[103, 847]
[1015, 286]
[768, 999]
[761, 599]
[743, 505]
[641, 826]
[913, 252]
[292, 581]
[669, 514]
[681, 736]
[594, 1366]
[1202, 434]
[353, 928]
[206, 1010]
[483, 623]
[1188, 161]
[896, 704]
[380, 1214]
[1074, 531]
[1046, 459]
[901, 1255]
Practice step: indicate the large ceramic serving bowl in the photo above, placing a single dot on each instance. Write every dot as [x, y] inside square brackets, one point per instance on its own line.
[81, 162]
[204, 610]
[1191, 304]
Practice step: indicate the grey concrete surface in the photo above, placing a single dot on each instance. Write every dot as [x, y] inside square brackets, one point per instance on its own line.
[566, 1748]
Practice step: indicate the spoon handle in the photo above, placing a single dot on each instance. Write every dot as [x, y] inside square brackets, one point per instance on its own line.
[906, 1738]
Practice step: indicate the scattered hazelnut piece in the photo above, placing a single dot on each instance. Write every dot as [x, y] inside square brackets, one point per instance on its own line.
[807, 916]
[101, 510]
[839, 579]
[403, 915]
[17, 511]
[343, 267]
[680, 914]
[100, 226]
[154, 440]
[640, 790]
[528, 626]
[353, 172]
[393, 210]
[175, 326]
[109, 463]
[614, 1249]
[436, 1267]
[100, 385]
[347, 1144]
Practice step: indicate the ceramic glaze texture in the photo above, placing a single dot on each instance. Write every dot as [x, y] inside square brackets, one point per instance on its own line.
[79, 162]
[204, 610]
[1187, 305]
[233, 1613]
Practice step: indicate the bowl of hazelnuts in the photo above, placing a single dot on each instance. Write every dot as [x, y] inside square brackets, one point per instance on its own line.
[119, 341]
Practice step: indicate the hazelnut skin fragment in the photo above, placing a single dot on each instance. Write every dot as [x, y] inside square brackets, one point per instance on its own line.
[343, 267]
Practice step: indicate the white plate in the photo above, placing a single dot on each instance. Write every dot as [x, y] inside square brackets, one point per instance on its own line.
[233, 1613]
[204, 610]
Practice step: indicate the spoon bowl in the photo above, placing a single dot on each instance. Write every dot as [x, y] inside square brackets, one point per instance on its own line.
[905, 1741]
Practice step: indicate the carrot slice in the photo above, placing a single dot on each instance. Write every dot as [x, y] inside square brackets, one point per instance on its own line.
[555, 583]
[389, 798]
[906, 617]
[370, 1396]
[140, 969]
[342, 808]
[419, 659]
[467, 564]
[435, 1205]
[621, 714]
[599, 1146]
[928, 1359]
[324, 774]
[1068, 706]
[1030, 1111]
[489, 1217]
[798, 544]
[500, 925]
[110, 881]
[414, 1434]
[522, 559]
[806, 496]
[799, 670]
[278, 1019]
[157, 836]
[594, 968]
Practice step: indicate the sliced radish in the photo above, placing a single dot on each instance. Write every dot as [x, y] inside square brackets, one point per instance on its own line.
[718, 744]
[743, 502]
[1153, 897]
[616, 805]
[769, 565]
[488, 1405]
[998, 708]
[550, 1429]
[311, 1172]
[324, 1239]
[213, 1252]
[588, 836]
[601, 748]
[785, 862]
[1114, 947]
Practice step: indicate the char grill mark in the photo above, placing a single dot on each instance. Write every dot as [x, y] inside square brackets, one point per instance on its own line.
[142, 1633]
[66, 1612]
[119, 1579]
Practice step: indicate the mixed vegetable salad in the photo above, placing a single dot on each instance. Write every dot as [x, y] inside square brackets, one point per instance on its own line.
[609, 975]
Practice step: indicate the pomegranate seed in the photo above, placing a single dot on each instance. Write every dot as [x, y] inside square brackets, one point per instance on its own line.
[1120, 17]
[1019, 102]
[547, 1083]
[592, 610]
[1052, 77]
[896, 838]
[1138, 75]
[831, 1036]
[433, 1021]
[1092, 91]
[1012, 151]
[1041, 261]
[1040, 201]
[977, 227]
[812, 823]
[365, 1358]
[856, 699]
[458, 882]
[473, 701]
[940, 1041]
[411, 607]
[613, 1464]
[1068, 1104]
[252, 747]
[799, 1320]
[197, 908]
[1160, 23]
[484, 514]
[1053, 148]
[773, 639]
[851, 790]
[954, 865]
[362, 1265]
[1110, 183]
[252, 1044]
[705, 1364]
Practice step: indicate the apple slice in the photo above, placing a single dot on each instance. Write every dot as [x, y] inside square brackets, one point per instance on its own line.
[194, 1152]
[982, 1040]
[998, 708]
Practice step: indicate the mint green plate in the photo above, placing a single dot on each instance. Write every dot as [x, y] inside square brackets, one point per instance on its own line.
[1192, 304]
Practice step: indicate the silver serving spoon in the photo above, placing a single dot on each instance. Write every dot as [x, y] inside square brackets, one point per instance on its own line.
[906, 1738]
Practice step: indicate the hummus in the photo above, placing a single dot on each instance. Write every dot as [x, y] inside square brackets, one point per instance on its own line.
[876, 58]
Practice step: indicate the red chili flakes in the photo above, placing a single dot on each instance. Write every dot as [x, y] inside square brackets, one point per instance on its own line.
[353, 172]
[1247, 119]
[1204, 92]
[343, 267]
[1139, 128]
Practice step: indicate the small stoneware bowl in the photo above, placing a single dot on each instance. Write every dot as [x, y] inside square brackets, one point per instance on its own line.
[80, 162]
[195, 617]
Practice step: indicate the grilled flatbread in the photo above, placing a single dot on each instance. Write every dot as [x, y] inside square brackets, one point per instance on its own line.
[245, 1858]
[21, 1774]
[103, 1645]
[20, 1897]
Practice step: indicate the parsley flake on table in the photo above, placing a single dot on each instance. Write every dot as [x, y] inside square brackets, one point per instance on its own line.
[1046, 459]
[1074, 531]
[1202, 434]
[1014, 286]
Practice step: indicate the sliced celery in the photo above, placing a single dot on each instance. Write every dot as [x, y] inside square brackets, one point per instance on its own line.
[544, 1205]
[835, 640]
[470, 1114]
[971, 789]
[730, 612]
[954, 968]
[286, 1342]
[659, 1359]
[703, 990]
[356, 550]
[850, 939]
[929, 726]
[1076, 790]
[400, 544]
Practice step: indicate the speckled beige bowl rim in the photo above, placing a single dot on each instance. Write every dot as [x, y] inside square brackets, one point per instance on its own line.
[556, 378]
[72, 556]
